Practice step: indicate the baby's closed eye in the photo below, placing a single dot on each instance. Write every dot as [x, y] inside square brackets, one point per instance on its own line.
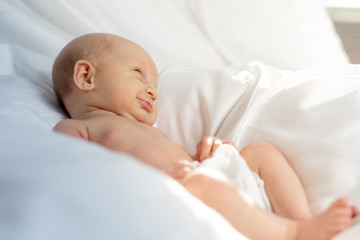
[138, 70]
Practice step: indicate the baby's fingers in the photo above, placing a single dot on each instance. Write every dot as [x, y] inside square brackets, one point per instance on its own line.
[354, 211]
[206, 146]
[217, 143]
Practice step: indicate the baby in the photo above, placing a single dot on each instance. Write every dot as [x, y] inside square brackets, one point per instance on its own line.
[108, 86]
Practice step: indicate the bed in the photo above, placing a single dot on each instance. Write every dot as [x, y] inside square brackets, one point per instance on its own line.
[241, 70]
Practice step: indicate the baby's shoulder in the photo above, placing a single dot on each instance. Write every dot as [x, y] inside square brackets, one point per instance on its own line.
[73, 127]
[68, 122]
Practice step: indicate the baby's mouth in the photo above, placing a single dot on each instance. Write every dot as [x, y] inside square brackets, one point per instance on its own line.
[146, 105]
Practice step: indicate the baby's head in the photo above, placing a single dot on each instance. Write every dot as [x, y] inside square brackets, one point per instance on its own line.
[105, 72]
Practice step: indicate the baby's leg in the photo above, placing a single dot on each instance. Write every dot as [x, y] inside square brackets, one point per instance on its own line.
[215, 190]
[283, 187]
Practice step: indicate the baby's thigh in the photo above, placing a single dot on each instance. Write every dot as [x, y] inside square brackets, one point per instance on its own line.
[210, 186]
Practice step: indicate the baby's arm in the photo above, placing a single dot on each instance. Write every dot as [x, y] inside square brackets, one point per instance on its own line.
[207, 146]
[73, 128]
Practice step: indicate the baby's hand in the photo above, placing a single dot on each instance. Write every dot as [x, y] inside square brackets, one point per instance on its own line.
[178, 170]
[207, 146]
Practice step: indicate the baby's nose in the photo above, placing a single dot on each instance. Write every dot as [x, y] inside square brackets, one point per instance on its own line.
[152, 92]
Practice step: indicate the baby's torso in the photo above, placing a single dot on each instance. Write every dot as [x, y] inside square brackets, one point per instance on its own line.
[144, 142]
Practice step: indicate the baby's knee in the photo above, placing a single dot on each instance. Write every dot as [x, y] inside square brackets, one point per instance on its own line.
[258, 148]
[257, 152]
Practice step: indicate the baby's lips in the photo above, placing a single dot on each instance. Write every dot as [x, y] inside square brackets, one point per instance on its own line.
[146, 105]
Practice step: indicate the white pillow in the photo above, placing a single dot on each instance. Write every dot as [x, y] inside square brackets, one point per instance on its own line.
[164, 28]
[195, 102]
[199, 102]
[26, 88]
[288, 34]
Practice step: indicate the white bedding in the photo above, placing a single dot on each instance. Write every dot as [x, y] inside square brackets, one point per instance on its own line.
[56, 187]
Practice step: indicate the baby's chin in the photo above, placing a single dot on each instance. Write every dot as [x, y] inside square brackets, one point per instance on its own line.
[149, 120]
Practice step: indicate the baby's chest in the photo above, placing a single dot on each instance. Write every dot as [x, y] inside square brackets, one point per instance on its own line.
[120, 136]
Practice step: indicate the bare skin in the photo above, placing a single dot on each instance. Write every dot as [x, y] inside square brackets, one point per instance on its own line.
[288, 197]
[113, 104]
[128, 135]
[247, 218]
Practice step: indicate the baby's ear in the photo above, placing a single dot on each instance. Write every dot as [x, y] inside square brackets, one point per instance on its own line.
[84, 75]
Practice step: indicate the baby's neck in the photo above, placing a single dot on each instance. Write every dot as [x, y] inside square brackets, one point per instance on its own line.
[92, 114]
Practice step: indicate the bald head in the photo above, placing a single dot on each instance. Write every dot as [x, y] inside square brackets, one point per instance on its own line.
[93, 47]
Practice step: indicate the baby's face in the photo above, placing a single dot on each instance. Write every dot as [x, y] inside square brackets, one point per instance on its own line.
[127, 83]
